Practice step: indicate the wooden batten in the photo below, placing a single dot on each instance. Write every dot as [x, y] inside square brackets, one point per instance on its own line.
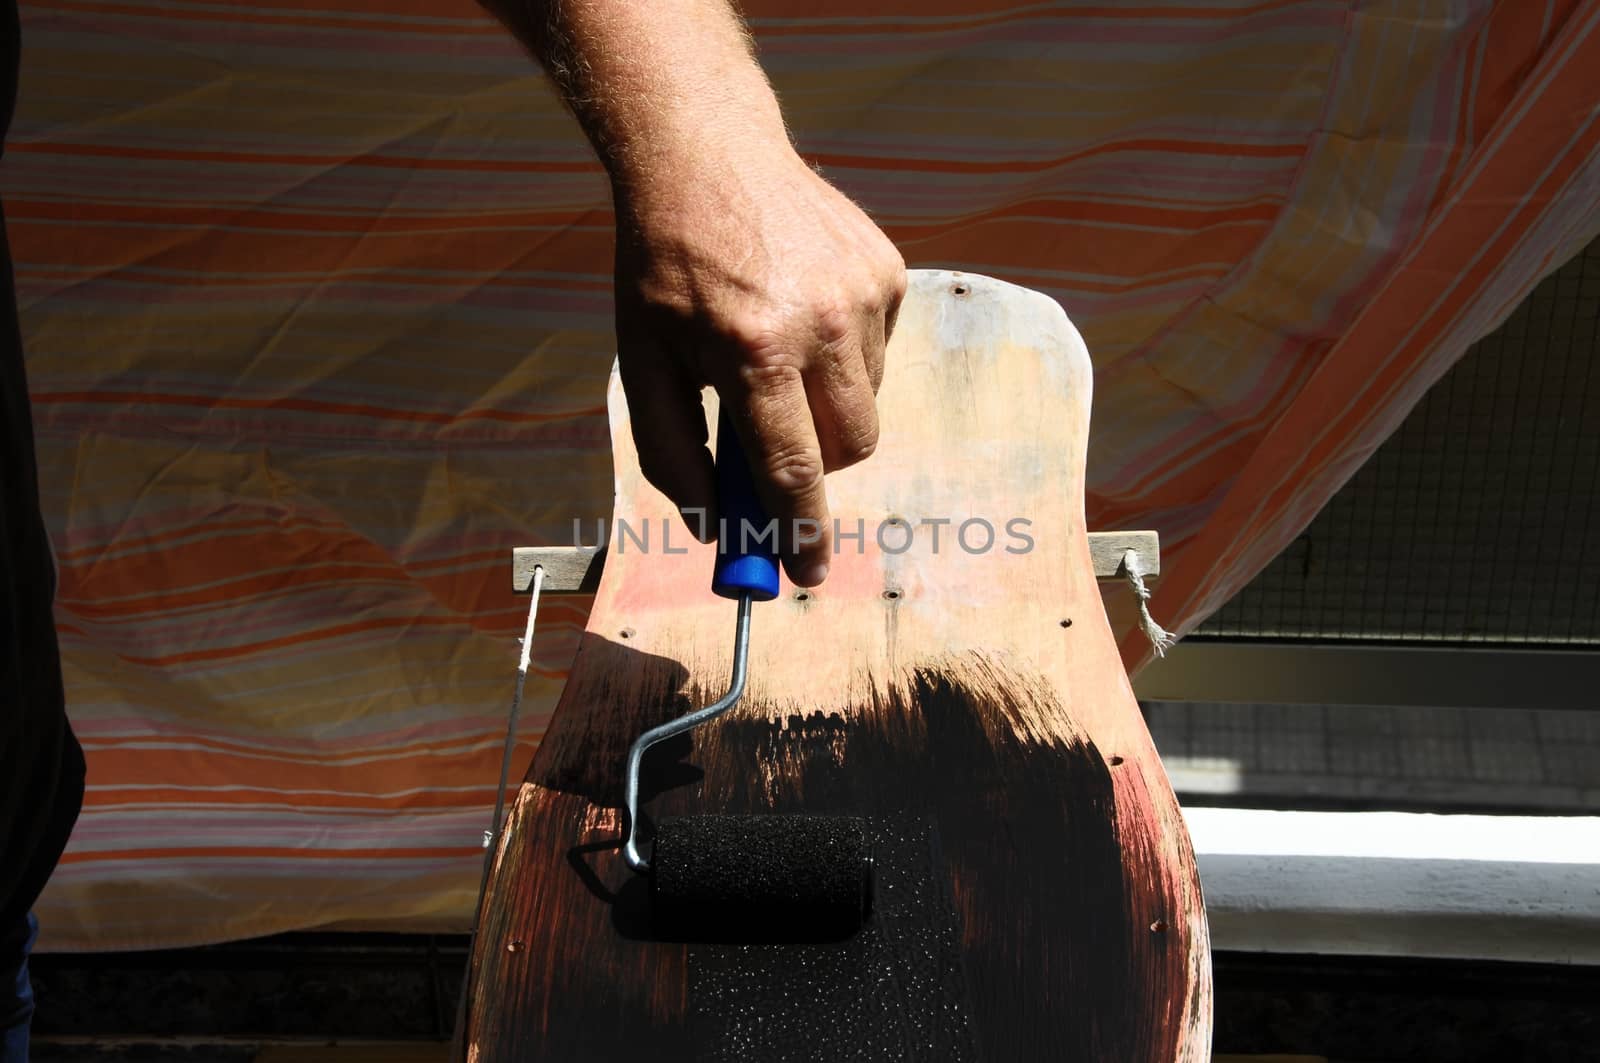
[576, 570]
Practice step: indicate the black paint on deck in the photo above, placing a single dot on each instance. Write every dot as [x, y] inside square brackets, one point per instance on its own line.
[1013, 922]
[1041, 967]
[895, 991]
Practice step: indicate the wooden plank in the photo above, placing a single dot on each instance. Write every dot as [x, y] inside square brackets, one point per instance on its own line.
[567, 569]
[1038, 898]
[576, 570]
[1108, 548]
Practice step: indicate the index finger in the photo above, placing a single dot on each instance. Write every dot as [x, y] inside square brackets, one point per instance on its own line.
[773, 419]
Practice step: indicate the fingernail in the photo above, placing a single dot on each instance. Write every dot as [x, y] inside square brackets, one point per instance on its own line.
[813, 574]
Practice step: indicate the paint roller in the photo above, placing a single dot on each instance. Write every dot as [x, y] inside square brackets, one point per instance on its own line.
[716, 875]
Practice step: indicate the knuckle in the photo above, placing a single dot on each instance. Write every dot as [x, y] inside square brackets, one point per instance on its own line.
[757, 334]
[859, 446]
[774, 350]
[898, 278]
[884, 282]
[871, 294]
[795, 472]
[833, 320]
[892, 279]
[771, 374]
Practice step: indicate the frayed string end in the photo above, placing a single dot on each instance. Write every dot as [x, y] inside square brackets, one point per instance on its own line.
[1161, 640]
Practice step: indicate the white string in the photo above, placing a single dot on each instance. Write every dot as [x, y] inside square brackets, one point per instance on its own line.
[492, 835]
[1161, 640]
[493, 832]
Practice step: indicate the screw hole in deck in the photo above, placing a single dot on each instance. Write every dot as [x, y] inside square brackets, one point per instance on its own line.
[1067, 622]
[959, 289]
[626, 632]
[892, 595]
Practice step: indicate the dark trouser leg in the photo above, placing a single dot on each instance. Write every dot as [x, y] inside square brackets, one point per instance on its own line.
[16, 992]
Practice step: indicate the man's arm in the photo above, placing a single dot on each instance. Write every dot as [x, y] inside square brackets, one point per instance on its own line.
[737, 265]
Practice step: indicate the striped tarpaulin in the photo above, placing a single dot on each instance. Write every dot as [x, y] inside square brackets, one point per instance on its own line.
[316, 301]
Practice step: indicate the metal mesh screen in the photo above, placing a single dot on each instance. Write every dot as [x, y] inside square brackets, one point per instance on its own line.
[1476, 521]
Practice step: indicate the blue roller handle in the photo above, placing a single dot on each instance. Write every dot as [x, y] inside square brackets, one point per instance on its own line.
[747, 551]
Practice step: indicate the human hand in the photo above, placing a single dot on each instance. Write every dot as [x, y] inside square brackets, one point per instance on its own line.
[741, 269]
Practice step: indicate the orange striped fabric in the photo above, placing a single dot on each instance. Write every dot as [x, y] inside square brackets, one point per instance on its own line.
[316, 302]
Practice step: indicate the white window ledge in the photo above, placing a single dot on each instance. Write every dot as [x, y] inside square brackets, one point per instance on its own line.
[1515, 888]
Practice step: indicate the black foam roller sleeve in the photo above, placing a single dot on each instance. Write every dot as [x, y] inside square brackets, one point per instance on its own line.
[753, 877]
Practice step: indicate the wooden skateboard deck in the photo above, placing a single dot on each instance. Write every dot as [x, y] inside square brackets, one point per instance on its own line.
[1036, 890]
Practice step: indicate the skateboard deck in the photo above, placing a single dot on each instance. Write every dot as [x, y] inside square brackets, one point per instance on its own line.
[958, 688]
